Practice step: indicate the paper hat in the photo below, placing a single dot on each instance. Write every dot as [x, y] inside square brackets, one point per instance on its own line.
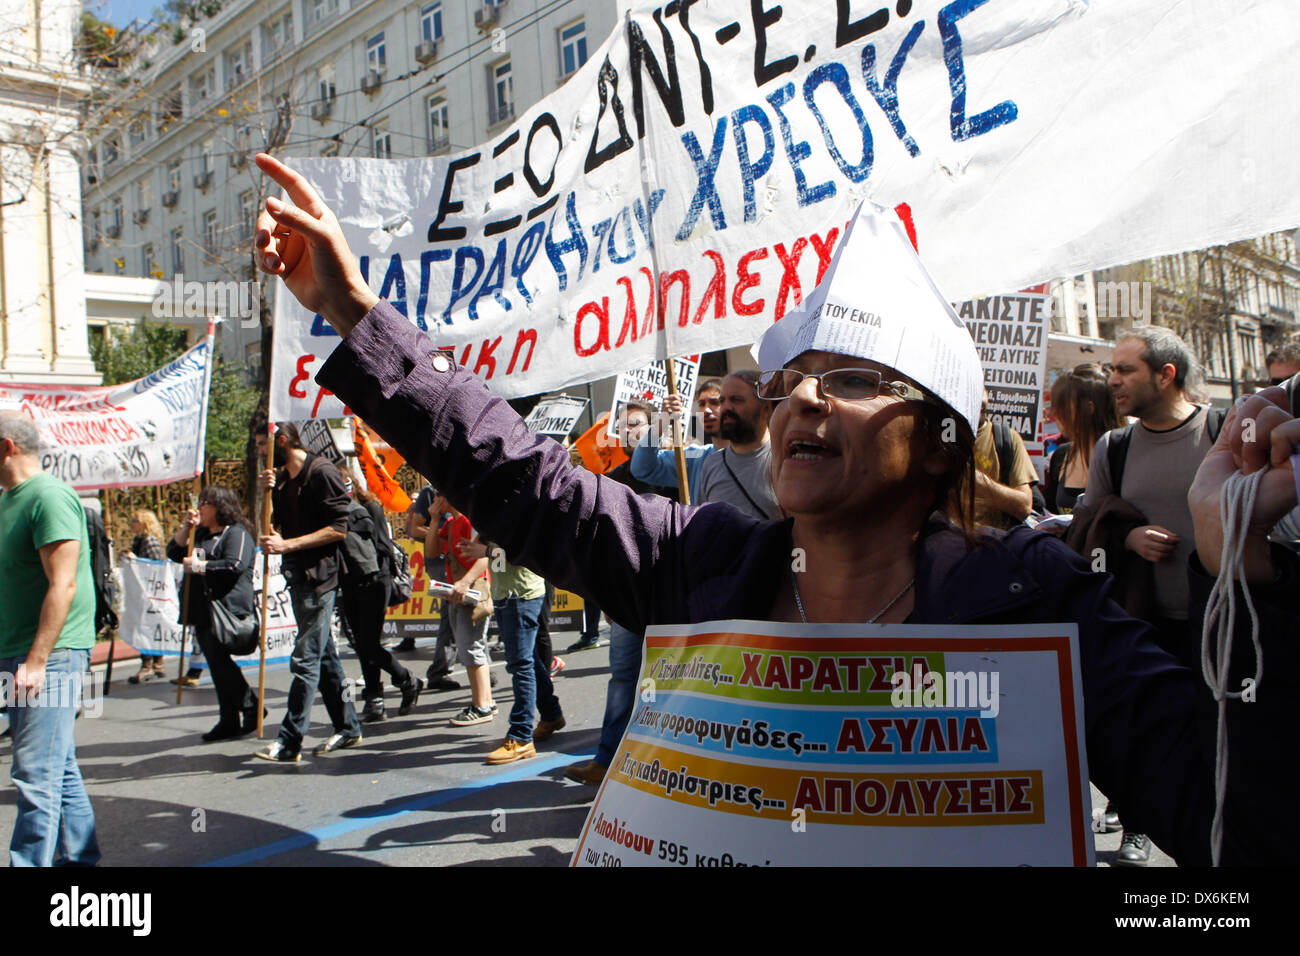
[882, 306]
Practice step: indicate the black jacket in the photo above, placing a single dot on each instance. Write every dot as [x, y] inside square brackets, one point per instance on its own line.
[227, 576]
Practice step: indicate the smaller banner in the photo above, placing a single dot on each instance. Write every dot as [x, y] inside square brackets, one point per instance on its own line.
[556, 415]
[319, 440]
[151, 609]
[1010, 334]
[379, 463]
[846, 745]
[147, 432]
[649, 386]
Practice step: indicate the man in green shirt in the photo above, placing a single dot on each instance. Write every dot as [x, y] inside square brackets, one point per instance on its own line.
[47, 629]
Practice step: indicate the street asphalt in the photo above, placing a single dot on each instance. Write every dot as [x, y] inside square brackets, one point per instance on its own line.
[415, 792]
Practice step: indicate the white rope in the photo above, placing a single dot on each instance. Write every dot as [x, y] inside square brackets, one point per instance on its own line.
[1236, 501]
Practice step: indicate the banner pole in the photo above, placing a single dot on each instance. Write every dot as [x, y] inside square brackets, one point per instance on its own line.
[647, 170]
[266, 582]
[185, 597]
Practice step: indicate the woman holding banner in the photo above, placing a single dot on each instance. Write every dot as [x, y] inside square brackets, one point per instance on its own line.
[221, 568]
[147, 543]
[872, 458]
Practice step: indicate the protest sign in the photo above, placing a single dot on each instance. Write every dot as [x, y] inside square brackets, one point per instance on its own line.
[1010, 335]
[738, 138]
[770, 744]
[649, 386]
[147, 432]
[319, 440]
[150, 619]
[556, 415]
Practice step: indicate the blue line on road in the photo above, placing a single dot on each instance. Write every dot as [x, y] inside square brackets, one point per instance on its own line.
[438, 798]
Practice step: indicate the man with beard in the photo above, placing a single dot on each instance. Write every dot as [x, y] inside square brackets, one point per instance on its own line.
[659, 466]
[741, 474]
[1150, 465]
[310, 505]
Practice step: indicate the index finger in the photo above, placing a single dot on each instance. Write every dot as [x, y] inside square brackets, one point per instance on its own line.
[300, 191]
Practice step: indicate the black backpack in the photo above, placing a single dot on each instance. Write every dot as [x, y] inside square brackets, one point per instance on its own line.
[394, 564]
[101, 571]
[1121, 438]
[1006, 450]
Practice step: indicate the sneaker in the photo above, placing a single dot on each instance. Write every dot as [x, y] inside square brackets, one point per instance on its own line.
[584, 644]
[471, 715]
[1134, 850]
[1110, 819]
[590, 773]
[512, 750]
[410, 694]
[546, 728]
[557, 665]
[189, 680]
[278, 752]
[373, 712]
[337, 742]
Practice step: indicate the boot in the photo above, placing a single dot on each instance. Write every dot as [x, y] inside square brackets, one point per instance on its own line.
[373, 712]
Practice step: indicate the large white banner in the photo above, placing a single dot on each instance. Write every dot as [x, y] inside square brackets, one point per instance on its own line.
[722, 147]
[151, 609]
[147, 432]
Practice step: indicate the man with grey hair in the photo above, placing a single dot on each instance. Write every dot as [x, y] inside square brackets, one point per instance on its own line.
[1150, 465]
[1283, 363]
[47, 628]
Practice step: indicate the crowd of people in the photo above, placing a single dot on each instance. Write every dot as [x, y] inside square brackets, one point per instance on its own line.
[837, 454]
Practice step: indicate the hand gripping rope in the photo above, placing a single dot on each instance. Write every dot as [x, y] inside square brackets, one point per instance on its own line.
[1236, 501]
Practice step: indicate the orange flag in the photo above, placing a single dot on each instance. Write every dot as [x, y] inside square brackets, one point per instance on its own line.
[599, 452]
[379, 463]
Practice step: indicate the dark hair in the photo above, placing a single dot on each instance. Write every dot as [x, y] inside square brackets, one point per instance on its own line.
[1290, 352]
[638, 406]
[226, 504]
[1084, 396]
[359, 489]
[290, 432]
[709, 385]
[1161, 347]
[747, 375]
[954, 490]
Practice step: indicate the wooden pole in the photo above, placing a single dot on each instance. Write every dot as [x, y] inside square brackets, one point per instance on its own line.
[683, 486]
[185, 600]
[266, 581]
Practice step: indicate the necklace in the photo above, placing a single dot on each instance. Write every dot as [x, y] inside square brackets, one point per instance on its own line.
[798, 600]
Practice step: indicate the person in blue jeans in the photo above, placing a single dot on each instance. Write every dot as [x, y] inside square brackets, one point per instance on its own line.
[310, 504]
[47, 628]
[518, 595]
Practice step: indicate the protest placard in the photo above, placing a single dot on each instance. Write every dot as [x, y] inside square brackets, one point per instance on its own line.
[150, 619]
[146, 432]
[1010, 335]
[770, 744]
[649, 386]
[556, 415]
[739, 138]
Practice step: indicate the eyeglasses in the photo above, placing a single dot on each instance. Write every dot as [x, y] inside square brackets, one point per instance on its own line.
[847, 384]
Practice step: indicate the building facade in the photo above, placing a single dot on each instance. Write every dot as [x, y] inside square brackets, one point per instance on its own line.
[42, 302]
[169, 183]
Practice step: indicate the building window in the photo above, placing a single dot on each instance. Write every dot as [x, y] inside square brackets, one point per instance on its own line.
[135, 132]
[178, 250]
[322, 10]
[96, 226]
[573, 47]
[112, 149]
[170, 109]
[376, 58]
[203, 86]
[325, 84]
[174, 176]
[439, 127]
[248, 210]
[503, 93]
[431, 22]
[206, 161]
[148, 261]
[210, 232]
[239, 64]
[279, 34]
[143, 194]
[383, 142]
[115, 225]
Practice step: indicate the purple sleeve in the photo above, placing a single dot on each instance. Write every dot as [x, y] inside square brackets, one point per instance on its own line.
[576, 529]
